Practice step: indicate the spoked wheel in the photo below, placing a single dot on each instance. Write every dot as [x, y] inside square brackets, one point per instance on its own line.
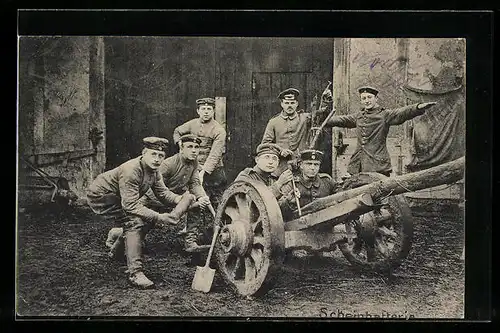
[251, 244]
[383, 238]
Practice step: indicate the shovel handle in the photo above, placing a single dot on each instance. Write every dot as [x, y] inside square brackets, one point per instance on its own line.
[216, 232]
[211, 209]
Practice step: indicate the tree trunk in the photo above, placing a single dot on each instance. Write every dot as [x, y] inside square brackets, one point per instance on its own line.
[446, 173]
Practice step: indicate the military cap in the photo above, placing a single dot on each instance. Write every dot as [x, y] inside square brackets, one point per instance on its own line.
[268, 148]
[311, 154]
[367, 89]
[289, 94]
[155, 143]
[205, 101]
[190, 138]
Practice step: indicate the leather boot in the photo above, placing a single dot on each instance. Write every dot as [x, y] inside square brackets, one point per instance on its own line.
[191, 241]
[117, 251]
[113, 235]
[140, 280]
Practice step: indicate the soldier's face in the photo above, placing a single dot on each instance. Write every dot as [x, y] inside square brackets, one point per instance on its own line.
[290, 106]
[368, 100]
[267, 162]
[190, 150]
[153, 158]
[206, 112]
[310, 168]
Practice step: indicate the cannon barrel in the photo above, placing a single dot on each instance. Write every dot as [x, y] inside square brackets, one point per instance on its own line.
[446, 173]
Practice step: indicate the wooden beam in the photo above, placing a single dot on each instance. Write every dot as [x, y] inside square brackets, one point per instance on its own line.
[97, 117]
[310, 239]
[220, 110]
[446, 173]
[340, 89]
[335, 213]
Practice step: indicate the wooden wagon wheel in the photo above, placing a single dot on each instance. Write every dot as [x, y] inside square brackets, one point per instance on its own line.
[251, 244]
[383, 238]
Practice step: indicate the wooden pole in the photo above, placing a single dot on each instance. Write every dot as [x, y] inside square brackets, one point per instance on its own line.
[340, 88]
[446, 173]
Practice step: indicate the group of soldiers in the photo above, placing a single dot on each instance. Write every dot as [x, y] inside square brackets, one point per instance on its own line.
[153, 190]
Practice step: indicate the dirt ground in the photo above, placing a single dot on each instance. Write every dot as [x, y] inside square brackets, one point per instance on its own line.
[63, 270]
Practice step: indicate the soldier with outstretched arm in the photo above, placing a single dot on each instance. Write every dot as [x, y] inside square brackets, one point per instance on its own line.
[372, 125]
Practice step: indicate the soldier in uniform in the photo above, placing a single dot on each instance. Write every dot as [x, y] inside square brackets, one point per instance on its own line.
[310, 185]
[266, 161]
[117, 194]
[290, 129]
[372, 126]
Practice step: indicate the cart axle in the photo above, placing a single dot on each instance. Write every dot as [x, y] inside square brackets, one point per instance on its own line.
[236, 237]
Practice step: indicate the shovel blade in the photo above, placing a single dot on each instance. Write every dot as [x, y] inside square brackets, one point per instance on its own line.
[203, 279]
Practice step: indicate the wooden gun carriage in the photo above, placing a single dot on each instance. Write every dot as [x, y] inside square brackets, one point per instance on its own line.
[253, 240]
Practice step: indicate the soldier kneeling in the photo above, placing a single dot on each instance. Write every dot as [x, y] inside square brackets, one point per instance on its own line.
[117, 194]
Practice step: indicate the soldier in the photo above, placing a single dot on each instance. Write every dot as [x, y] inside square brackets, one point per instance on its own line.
[212, 147]
[310, 185]
[180, 173]
[372, 126]
[117, 194]
[290, 129]
[266, 161]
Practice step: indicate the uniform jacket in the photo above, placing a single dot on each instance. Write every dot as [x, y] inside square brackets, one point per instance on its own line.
[179, 175]
[292, 132]
[288, 132]
[130, 181]
[213, 142]
[255, 174]
[321, 186]
[372, 127]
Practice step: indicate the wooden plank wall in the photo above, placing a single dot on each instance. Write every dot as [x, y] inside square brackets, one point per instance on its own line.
[152, 85]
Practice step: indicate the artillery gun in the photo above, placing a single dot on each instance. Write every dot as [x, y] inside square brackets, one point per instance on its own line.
[254, 238]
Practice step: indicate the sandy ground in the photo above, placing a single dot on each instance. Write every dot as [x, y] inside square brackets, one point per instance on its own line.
[63, 270]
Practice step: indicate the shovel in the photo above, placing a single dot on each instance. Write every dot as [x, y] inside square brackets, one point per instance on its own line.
[204, 276]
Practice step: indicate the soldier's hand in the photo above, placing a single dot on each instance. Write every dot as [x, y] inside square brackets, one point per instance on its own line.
[204, 201]
[285, 177]
[166, 218]
[286, 152]
[297, 193]
[327, 95]
[426, 105]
